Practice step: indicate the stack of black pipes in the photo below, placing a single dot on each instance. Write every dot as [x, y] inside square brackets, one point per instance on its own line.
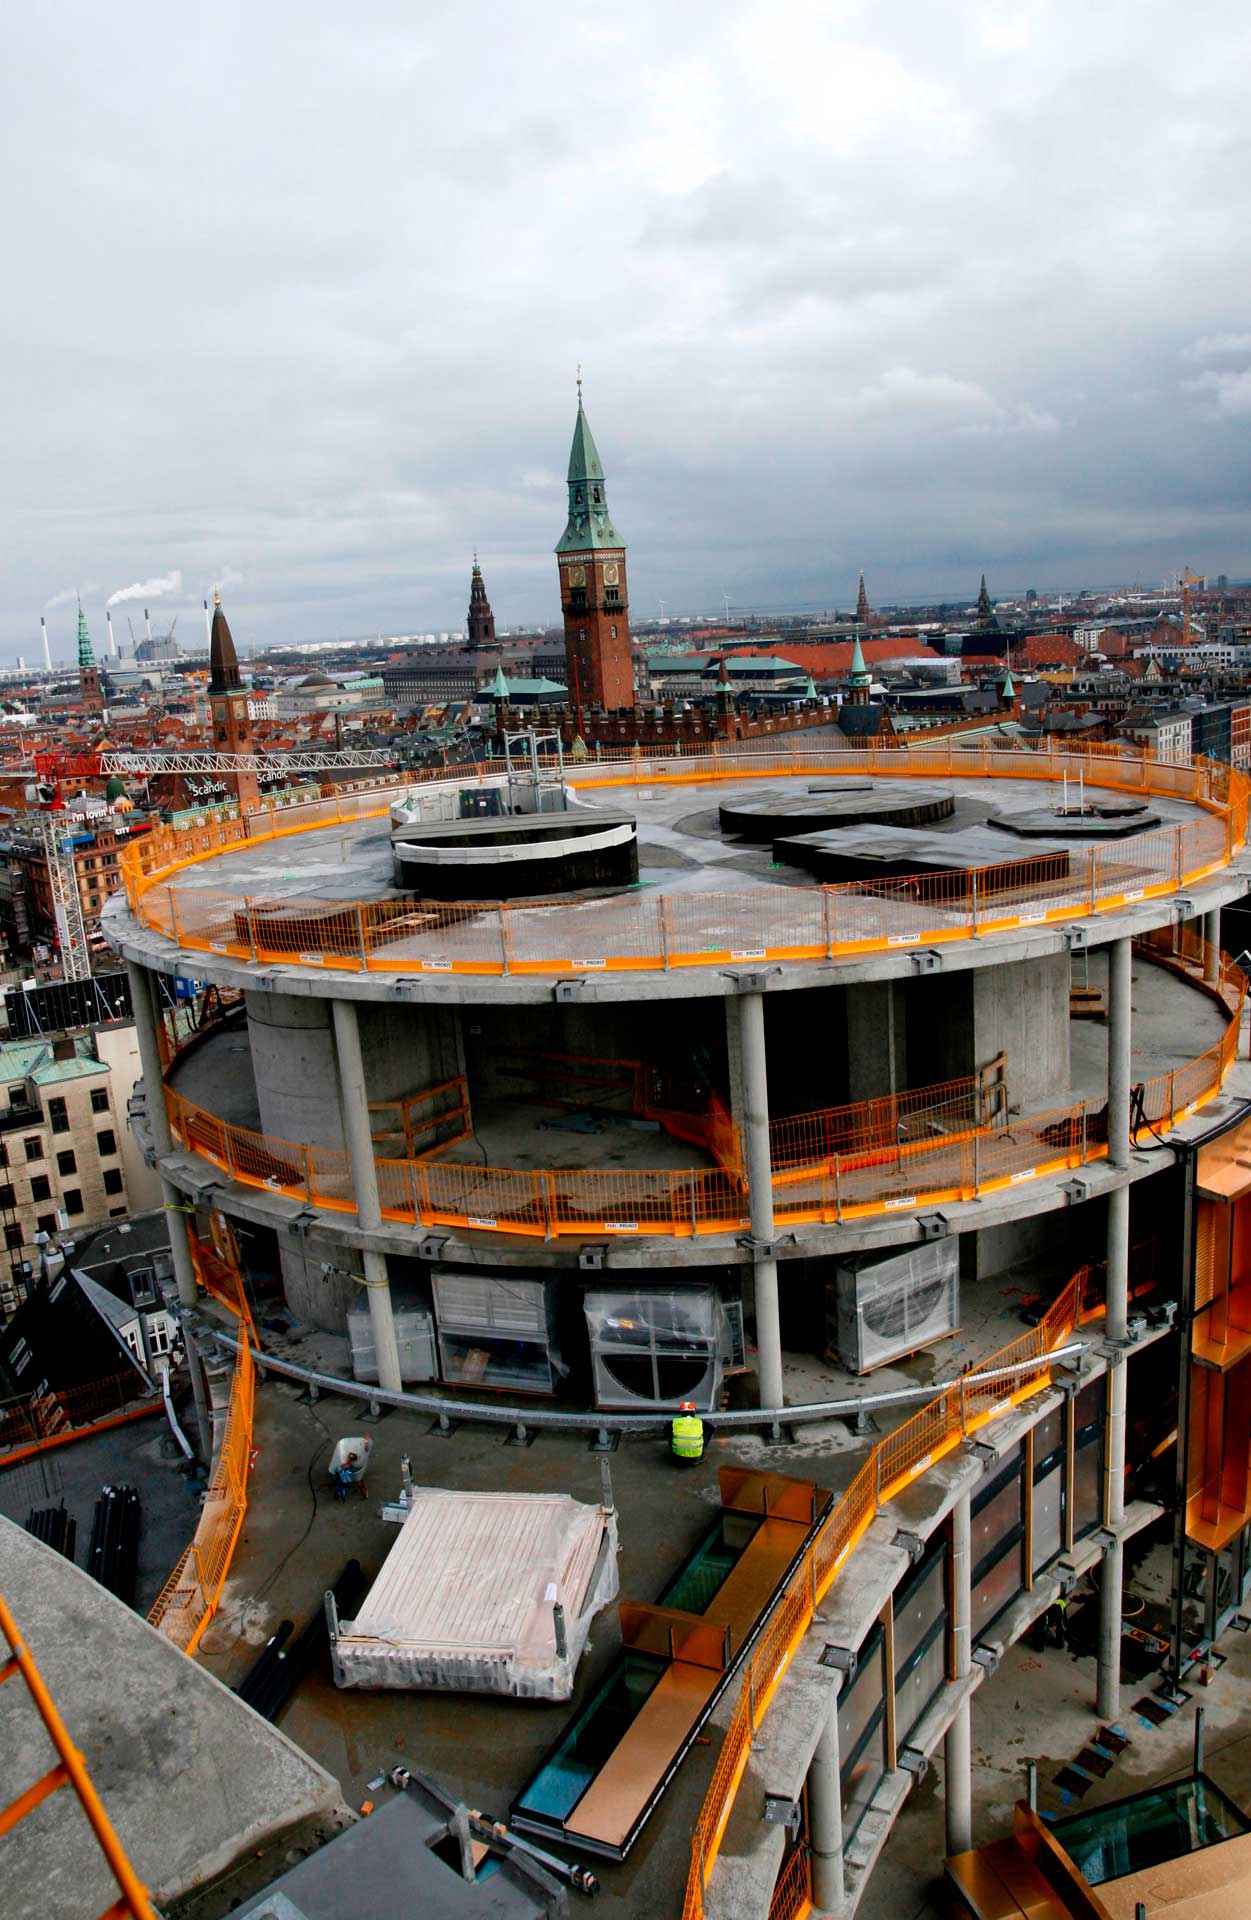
[279, 1667]
[55, 1527]
[114, 1554]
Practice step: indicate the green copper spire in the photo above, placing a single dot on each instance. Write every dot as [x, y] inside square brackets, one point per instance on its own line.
[860, 675]
[499, 686]
[85, 656]
[1007, 688]
[589, 526]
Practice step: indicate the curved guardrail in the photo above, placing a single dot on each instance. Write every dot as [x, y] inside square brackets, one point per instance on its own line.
[561, 1202]
[650, 930]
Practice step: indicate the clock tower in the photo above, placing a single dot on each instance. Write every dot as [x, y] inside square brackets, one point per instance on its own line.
[228, 704]
[591, 557]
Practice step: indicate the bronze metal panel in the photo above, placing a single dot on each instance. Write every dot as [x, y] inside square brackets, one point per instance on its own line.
[673, 1634]
[616, 1797]
[778, 1494]
[751, 1584]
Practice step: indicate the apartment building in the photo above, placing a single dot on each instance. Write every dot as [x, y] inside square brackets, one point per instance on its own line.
[65, 1159]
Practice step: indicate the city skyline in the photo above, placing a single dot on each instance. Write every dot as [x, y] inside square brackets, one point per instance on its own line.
[927, 300]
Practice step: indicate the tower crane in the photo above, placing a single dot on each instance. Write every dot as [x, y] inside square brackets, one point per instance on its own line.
[44, 827]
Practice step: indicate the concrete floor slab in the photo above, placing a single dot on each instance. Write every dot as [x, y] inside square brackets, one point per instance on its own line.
[190, 1778]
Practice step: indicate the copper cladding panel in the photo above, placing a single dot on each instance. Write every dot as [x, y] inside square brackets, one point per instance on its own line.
[612, 1803]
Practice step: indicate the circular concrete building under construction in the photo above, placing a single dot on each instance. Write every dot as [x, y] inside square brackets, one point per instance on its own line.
[778, 1113]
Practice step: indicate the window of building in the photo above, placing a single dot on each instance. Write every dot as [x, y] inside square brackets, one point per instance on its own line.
[65, 1162]
[34, 1146]
[41, 1187]
[13, 1238]
[112, 1180]
[99, 1099]
[58, 1116]
[106, 1141]
[72, 1200]
[117, 1213]
[46, 1223]
[17, 1096]
[4, 1155]
[7, 1198]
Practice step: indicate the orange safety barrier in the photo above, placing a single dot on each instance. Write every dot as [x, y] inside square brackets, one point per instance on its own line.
[792, 1896]
[702, 929]
[804, 1142]
[47, 1419]
[70, 1770]
[893, 1464]
[962, 1165]
[424, 1122]
[190, 1597]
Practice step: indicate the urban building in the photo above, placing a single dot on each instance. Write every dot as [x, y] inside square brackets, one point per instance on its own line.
[822, 1093]
[594, 599]
[68, 1158]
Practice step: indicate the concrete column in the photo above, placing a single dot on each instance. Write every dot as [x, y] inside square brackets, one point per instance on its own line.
[1212, 935]
[760, 1183]
[150, 1061]
[958, 1741]
[1118, 1052]
[875, 1040]
[1112, 1569]
[355, 1105]
[825, 1817]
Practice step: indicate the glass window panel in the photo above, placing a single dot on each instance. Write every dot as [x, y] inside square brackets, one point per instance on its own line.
[1048, 1517]
[1088, 1489]
[995, 1526]
[1088, 1412]
[917, 1610]
[861, 1776]
[924, 1678]
[996, 1588]
[1048, 1439]
[1149, 1829]
[858, 1702]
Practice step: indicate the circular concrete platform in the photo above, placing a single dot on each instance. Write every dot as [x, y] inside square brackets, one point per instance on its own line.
[773, 814]
[1106, 818]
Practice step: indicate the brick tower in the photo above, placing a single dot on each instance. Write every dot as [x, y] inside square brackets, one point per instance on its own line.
[481, 619]
[593, 597]
[228, 704]
[89, 694]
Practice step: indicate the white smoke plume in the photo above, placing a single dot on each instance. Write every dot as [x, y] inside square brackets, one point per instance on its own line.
[170, 582]
[65, 598]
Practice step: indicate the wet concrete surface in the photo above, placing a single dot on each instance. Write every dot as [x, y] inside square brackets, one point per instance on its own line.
[142, 1454]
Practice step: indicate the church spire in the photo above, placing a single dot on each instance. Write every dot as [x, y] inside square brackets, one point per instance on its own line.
[481, 621]
[86, 658]
[860, 679]
[223, 660]
[589, 525]
[862, 605]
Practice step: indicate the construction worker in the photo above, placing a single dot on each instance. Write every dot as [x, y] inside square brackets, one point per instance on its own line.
[686, 1436]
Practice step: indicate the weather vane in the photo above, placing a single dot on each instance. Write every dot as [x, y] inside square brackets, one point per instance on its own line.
[579, 383]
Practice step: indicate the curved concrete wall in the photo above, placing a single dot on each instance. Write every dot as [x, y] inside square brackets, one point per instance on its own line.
[296, 1068]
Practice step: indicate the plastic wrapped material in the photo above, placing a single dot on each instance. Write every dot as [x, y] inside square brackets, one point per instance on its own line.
[885, 1308]
[414, 1336]
[467, 1598]
[656, 1347]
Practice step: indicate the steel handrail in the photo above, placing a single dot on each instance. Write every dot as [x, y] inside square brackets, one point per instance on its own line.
[534, 1418]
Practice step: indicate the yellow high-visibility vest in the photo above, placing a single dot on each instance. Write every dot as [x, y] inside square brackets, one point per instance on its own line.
[687, 1436]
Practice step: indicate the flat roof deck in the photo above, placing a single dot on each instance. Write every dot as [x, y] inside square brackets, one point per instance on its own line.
[681, 847]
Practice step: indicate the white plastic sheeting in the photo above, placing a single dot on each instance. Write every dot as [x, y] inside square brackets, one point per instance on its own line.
[465, 1599]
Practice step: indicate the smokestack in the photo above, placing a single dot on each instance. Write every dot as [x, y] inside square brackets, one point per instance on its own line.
[147, 621]
[208, 627]
[47, 651]
[112, 642]
[21, 663]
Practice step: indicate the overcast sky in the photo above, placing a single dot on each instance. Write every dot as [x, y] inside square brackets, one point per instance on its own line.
[294, 295]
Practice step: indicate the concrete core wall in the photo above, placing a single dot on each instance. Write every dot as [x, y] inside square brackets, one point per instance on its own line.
[319, 1299]
[296, 1068]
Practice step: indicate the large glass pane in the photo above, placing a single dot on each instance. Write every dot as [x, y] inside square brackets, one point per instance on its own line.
[920, 1606]
[1048, 1439]
[996, 1509]
[920, 1681]
[1088, 1413]
[1088, 1487]
[695, 1587]
[602, 1723]
[861, 1734]
[1162, 1824]
[998, 1586]
[1048, 1517]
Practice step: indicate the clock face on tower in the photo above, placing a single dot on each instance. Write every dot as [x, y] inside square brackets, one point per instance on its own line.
[577, 576]
[612, 573]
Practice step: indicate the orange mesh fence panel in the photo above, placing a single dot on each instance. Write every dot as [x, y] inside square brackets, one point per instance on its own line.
[190, 1596]
[778, 922]
[792, 1896]
[42, 1416]
[330, 1178]
[490, 1197]
[410, 936]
